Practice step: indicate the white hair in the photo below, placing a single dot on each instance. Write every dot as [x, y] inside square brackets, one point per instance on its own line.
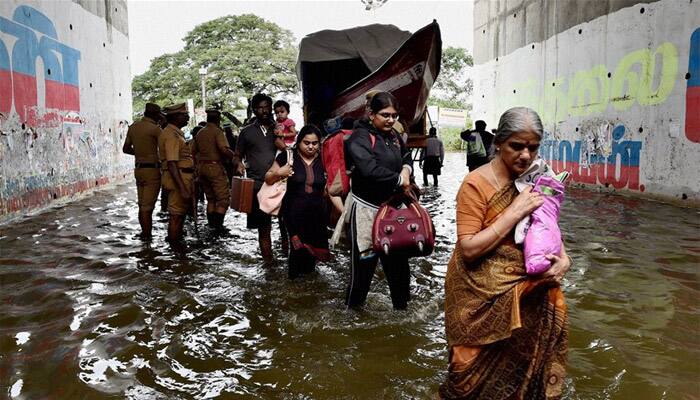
[518, 119]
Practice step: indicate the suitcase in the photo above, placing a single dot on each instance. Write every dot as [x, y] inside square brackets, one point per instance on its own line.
[242, 194]
[404, 231]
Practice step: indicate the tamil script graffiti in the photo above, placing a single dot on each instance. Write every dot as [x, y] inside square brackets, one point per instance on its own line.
[34, 36]
[692, 94]
[619, 169]
[645, 77]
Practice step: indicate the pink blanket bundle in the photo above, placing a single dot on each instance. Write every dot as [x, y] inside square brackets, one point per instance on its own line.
[543, 237]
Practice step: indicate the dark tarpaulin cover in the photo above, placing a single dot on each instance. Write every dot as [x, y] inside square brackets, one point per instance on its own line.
[331, 61]
[372, 43]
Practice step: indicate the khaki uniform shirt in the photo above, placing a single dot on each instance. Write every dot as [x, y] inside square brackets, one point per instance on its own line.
[143, 136]
[210, 144]
[172, 147]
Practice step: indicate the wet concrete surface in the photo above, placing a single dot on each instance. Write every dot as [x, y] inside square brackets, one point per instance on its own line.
[88, 311]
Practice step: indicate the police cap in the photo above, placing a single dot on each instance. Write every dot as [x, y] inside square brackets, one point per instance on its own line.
[175, 109]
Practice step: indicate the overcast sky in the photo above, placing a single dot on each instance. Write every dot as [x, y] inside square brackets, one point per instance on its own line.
[157, 27]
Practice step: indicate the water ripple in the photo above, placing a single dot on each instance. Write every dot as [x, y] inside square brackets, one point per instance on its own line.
[85, 300]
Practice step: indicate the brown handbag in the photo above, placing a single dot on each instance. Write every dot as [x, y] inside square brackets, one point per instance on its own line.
[242, 194]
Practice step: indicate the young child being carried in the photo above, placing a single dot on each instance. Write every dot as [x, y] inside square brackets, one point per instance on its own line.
[287, 129]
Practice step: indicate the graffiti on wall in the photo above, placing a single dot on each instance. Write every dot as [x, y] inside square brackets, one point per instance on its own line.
[619, 167]
[645, 77]
[28, 36]
[51, 146]
[692, 95]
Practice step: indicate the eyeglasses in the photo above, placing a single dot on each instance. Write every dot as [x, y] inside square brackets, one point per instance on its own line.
[516, 146]
[386, 115]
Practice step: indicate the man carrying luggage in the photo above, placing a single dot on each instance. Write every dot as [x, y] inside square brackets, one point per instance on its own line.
[257, 146]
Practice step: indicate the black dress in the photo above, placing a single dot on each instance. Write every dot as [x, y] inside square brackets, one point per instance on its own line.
[432, 165]
[304, 213]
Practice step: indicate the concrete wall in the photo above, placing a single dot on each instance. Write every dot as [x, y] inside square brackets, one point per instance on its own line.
[65, 98]
[616, 82]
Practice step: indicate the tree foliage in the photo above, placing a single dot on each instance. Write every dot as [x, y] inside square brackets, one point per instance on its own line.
[453, 86]
[243, 54]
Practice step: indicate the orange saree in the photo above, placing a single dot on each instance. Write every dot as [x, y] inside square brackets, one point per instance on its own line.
[512, 329]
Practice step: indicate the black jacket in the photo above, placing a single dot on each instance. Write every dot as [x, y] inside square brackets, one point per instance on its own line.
[375, 168]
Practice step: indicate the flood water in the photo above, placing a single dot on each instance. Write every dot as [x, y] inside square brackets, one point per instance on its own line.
[87, 311]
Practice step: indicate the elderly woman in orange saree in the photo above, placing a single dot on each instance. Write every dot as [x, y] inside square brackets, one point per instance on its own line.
[506, 331]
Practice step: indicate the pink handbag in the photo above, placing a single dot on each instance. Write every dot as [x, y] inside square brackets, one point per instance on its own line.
[270, 196]
[406, 231]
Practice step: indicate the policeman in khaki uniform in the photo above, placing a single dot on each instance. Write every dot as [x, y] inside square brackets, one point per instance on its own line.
[178, 168]
[210, 150]
[142, 142]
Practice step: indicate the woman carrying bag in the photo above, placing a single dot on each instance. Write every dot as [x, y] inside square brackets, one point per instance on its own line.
[304, 206]
[381, 166]
[507, 331]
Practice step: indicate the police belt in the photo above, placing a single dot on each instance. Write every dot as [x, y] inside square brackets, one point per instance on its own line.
[147, 165]
[186, 170]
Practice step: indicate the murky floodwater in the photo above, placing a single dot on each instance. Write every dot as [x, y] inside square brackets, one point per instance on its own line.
[90, 312]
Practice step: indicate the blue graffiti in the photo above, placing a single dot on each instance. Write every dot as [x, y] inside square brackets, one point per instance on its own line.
[620, 168]
[34, 19]
[627, 152]
[694, 59]
[36, 37]
[26, 20]
[692, 94]
[4, 55]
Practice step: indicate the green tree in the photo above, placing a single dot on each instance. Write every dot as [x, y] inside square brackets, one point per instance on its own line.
[243, 54]
[453, 86]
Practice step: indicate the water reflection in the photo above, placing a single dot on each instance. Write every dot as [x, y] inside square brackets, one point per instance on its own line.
[89, 311]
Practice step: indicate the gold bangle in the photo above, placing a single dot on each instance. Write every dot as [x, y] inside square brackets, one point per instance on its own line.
[493, 226]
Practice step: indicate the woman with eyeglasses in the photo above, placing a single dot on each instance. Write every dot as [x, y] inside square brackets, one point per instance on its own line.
[506, 331]
[381, 166]
[304, 206]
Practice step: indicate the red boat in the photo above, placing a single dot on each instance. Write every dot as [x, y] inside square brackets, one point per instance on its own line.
[337, 68]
